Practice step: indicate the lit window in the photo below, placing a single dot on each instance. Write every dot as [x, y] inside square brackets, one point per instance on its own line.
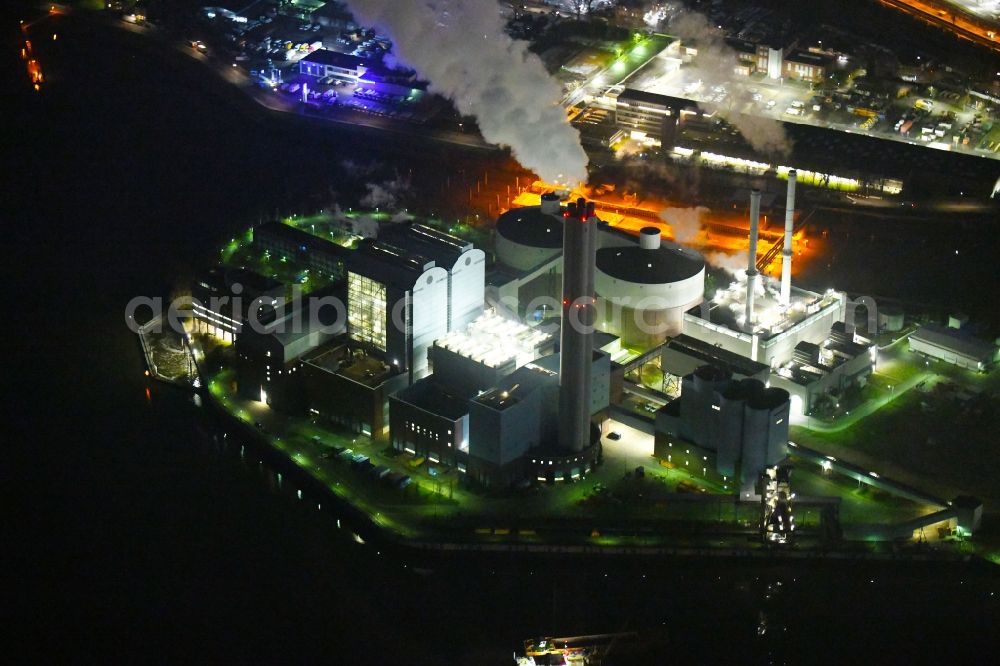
[366, 310]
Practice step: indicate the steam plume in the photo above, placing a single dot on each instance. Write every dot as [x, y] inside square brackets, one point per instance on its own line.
[385, 194]
[735, 264]
[685, 223]
[461, 47]
[716, 62]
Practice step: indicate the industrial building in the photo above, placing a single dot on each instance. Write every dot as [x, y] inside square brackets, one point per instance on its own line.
[404, 290]
[285, 242]
[224, 299]
[431, 417]
[267, 355]
[528, 245]
[644, 290]
[683, 354]
[778, 58]
[498, 398]
[736, 427]
[758, 319]
[350, 387]
[829, 368]
[324, 62]
[800, 336]
[807, 66]
[953, 345]
[405, 293]
[653, 117]
[776, 332]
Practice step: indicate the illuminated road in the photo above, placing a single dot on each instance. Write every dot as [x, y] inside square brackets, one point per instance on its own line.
[948, 18]
[620, 70]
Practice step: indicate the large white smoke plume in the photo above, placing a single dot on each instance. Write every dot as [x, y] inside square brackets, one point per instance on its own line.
[735, 264]
[461, 47]
[716, 63]
[685, 223]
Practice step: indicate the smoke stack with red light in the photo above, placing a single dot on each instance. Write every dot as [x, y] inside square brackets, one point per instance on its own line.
[577, 334]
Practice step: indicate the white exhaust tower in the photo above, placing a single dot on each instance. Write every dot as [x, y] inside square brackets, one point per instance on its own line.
[752, 258]
[786, 253]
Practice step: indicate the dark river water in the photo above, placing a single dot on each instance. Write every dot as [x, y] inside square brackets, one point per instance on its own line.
[135, 535]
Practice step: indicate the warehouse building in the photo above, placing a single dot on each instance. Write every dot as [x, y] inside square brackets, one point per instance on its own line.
[953, 345]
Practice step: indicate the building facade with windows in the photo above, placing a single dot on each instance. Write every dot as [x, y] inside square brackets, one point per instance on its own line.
[397, 304]
[807, 66]
[324, 62]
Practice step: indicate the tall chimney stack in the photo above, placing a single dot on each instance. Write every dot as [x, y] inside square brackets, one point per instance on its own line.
[752, 258]
[786, 253]
[576, 335]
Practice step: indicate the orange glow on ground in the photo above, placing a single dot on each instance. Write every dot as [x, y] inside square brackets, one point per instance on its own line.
[722, 231]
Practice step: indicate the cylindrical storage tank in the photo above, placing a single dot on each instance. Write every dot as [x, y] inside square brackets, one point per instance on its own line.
[891, 318]
[729, 428]
[525, 237]
[697, 398]
[711, 378]
[767, 422]
[643, 293]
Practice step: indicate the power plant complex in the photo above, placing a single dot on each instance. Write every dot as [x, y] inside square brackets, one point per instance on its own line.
[511, 371]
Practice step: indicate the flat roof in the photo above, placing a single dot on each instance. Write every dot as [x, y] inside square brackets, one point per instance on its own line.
[741, 45]
[955, 340]
[728, 306]
[305, 240]
[388, 264]
[223, 278]
[422, 240]
[530, 226]
[428, 395]
[515, 387]
[301, 321]
[633, 95]
[494, 341]
[809, 58]
[716, 356]
[659, 266]
[366, 370]
[550, 362]
[334, 59]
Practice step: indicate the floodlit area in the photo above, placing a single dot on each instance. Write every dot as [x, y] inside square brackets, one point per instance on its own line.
[495, 341]
[770, 317]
